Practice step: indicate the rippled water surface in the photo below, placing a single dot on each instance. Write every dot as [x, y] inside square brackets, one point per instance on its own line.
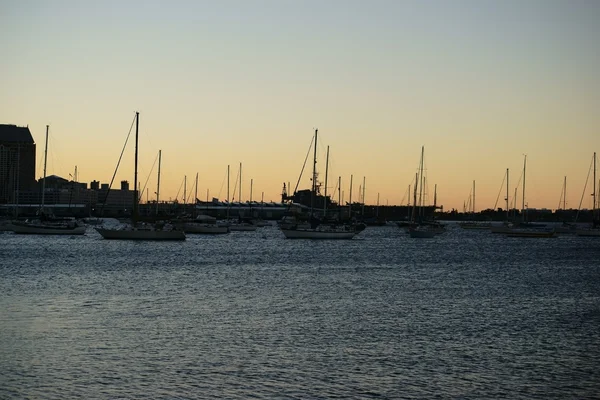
[465, 315]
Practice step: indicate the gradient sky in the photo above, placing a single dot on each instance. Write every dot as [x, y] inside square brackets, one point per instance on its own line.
[478, 83]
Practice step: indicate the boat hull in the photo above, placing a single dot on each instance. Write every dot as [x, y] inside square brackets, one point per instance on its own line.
[531, 234]
[140, 234]
[588, 232]
[47, 230]
[475, 226]
[207, 229]
[242, 228]
[317, 234]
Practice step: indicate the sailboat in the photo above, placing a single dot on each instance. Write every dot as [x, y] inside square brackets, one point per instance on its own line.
[422, 231]
[46, 225]
[474, 224]
[593, 230]
[202, 223]
[318, 229]
[526, 229]
[240, 224]
[566, 227]
[137, 231]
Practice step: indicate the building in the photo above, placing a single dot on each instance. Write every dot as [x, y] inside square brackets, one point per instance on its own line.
[17, 162]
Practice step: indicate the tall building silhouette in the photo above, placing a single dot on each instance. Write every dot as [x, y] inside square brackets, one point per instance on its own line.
[17, 162]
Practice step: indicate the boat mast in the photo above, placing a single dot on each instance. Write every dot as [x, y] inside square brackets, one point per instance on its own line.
[250, 203]
[524, 168]
[228, 204]
[45, 159]
[350, 208]
[515, 204]
[421, 183]
[158, 182]
[340, 196]
[195, 196]
[314, 176]
[326, 174]
[507, 205]
[435, 197]
[377, 212]
[240, 194]
[473, 198]
[135, 173]
[363, 197]
[414, 210]
[594, 194]
[184, 189]
[565, 194]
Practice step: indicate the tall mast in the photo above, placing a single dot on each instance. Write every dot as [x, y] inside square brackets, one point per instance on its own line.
[377, 213]
[421, 182]
[524, 169]
[473, 197]
[45, 158]
[515, 204]
[158, 183]
[314, 176]
[184, 189]
[363, 197]
[196, 195]
[594, 194]
[507, 205]
[340, 196]
[434, 197]
[350, 209]
[250, 202]
[326, 174]
[135, 173]
[228, 204]
[565, 194]
[414, 210]
[240, 194]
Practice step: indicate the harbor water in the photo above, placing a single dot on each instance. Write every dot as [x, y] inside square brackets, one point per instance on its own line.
[467, 314]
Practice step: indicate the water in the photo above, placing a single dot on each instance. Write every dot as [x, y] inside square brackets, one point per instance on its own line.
[468, 314]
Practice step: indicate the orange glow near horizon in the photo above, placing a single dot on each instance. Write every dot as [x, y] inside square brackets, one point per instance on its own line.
[479, 85]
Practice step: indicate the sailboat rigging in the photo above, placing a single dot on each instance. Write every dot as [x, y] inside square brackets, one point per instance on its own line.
[320, 228]
[139, 231]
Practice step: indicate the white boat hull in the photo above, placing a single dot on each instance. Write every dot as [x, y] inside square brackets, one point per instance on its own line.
[318, 234]
[140, 234]
[47, 229]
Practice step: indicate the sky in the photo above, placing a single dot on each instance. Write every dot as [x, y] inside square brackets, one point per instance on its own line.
[479, 84]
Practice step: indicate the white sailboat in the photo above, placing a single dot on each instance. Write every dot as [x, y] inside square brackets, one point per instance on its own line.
[318, 229]
[45, 225]
[140, 231]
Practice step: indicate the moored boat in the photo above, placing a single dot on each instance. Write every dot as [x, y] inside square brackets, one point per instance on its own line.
[531, 233]
[47, 228]
[135, 231]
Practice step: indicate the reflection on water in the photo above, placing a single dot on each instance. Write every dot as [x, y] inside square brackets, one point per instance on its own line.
[465, 315]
